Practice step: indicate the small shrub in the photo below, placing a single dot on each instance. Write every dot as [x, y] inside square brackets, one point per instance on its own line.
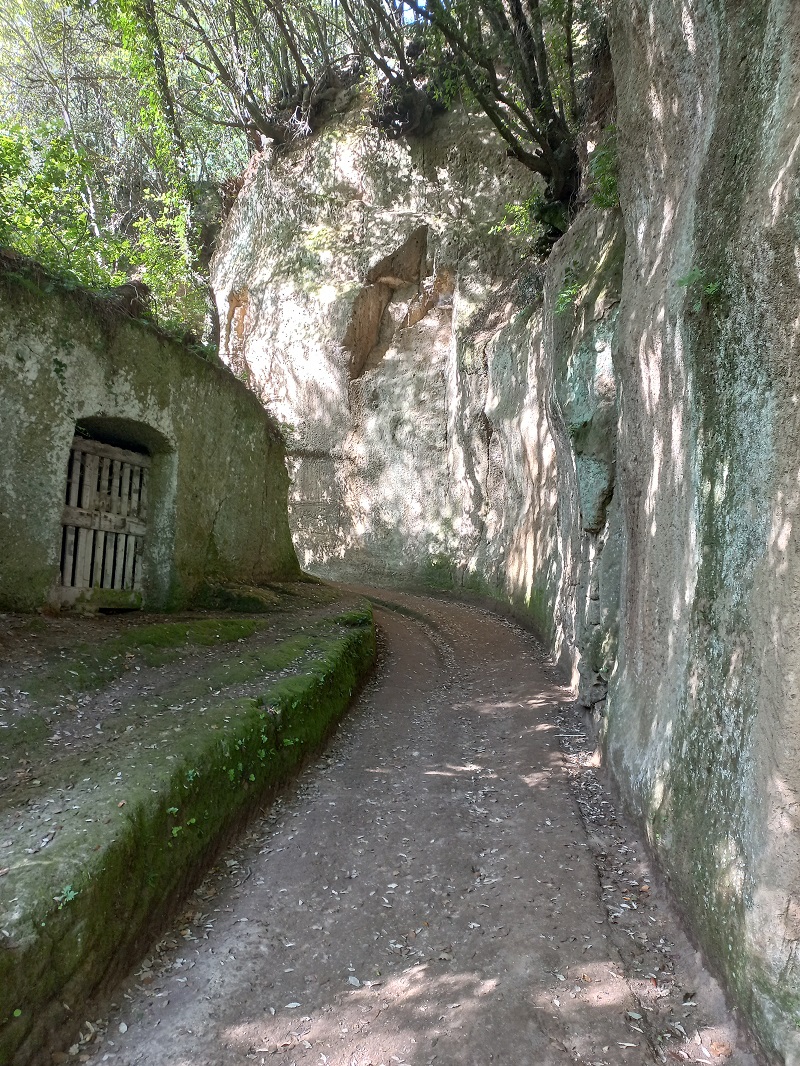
[603, 168]
[521, 219]
[569, 294]
[68, 894]
[701, 290]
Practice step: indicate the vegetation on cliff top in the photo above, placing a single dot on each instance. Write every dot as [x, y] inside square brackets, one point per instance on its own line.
[127, 122]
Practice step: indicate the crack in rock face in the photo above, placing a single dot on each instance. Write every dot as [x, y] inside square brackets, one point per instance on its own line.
[369, 326]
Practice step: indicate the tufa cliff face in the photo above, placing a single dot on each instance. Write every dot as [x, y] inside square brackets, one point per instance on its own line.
[609, 444]
[371, 295]
[703, 725]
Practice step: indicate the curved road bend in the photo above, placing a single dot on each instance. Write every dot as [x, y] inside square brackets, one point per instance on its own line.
[425, 895]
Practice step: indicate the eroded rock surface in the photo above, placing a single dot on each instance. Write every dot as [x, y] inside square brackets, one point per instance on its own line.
[608, 444]
[703, 722]
[399, 330]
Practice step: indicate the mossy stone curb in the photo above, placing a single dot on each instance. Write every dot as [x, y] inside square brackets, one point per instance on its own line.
[76, 915]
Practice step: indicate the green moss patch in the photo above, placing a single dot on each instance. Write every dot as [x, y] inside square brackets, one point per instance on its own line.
[88, 668]
[132, 836]
[151, 720]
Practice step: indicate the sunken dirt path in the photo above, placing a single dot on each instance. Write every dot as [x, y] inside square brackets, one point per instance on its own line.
[428, 893]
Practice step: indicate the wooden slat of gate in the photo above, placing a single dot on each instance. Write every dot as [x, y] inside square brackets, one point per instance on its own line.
[74, 477]
[68, 556]
[105, 480]
[119, 562]
[130, 555]
[75, 516]
[108, 561]
[83, 563]
[136, 480]
[93, 560]
[80, 552]
[133, 493]
[99, 551]
[81, 471]
[143, 496]
[137, 563]
[91, 466]
[125, 490]
[94, 447]
[68, 547]
[115, 479]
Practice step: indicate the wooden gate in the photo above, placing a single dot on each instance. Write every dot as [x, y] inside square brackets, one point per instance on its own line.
[104, 524]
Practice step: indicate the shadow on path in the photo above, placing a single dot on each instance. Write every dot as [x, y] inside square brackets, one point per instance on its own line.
[427, 894]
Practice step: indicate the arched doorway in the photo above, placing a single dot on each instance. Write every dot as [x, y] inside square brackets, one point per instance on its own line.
[108, 506]
[104, 520]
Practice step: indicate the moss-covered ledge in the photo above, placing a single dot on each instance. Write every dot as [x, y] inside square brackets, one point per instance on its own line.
[138, 831]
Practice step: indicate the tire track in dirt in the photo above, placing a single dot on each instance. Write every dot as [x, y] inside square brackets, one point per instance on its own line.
[426, 894]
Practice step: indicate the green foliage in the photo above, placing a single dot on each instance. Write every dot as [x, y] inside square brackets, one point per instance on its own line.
[48, 210]
[702, 290]
[67, 895]
[165, 256]
[446, 82]
[134, 57]
[690, 279]
[51, 211]
[439, 68]
[107, 190]
[603, 165]
[540, 218]
[521, 219]
[569, 293]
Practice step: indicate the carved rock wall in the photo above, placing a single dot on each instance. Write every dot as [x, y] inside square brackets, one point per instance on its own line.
[704, 711]
[383, 311]
[623, 470]
[217, 489]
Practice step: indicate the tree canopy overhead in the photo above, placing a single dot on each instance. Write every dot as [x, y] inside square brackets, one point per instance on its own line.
[123, 118]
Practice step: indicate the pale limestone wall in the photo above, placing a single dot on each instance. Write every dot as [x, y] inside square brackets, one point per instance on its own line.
[576, 363]
[343, 272]
[704, 717]
[457, 431]
[370, 300]
[219, 483]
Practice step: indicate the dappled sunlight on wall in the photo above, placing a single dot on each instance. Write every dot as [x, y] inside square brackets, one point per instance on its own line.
[362, 274]
[655, 470]
[386, 315]
[704, 715]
